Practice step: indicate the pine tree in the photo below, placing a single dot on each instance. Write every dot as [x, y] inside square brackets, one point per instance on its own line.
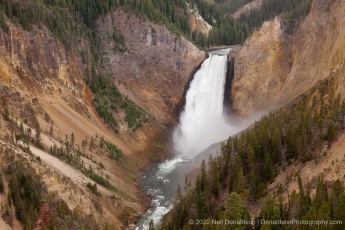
[324, 212]
[72, 140]
[151, 225]
[295, 206]
[240, 182]
[337, 190]
[21, 127]
[235, 210]
[92, 143]
[339, 213]
[321, 192]
[1, 184]
[38, 135]
[28, 224]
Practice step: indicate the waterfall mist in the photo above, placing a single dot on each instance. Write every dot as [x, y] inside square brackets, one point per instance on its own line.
[202, 121]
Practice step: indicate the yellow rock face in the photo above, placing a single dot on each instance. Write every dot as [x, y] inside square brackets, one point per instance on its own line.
[280, 68]
[261, 68]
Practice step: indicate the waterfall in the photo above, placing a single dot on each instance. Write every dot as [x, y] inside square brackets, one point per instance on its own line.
[202, 122]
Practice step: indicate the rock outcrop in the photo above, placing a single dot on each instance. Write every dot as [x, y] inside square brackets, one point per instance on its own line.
[256, 4]
[35, 63]
[318, 49]
[197, 23]
[271, 69]
[157, 66]
[261, 68]
[44, 216]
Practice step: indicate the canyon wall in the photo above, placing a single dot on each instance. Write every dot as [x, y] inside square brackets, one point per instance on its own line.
[261, 68]
[42, 82]
[271, 68]
[156, 66]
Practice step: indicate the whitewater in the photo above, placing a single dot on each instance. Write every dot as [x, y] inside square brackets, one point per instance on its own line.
[202, 123]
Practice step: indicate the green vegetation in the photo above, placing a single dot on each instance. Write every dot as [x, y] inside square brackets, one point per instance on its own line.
[93, 188]
[73, 158]
[114, 152]
[38, 138]
[6, 114]
[119, 42]
[152, 156]
[28, 194]
[2, 187]
[228, 31]
[249, 163]
[151, 225]
[61, 23]
[158, 145]
[79, 19]
[293, 11]
[26, 191]
[135, 116]
[327, 205]
[109, 100]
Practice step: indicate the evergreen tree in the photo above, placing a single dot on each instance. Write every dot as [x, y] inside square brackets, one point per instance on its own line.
[240, 182]
[28, 224]
[339, 213]
[2, 188]
[38, 135]
[235, 210]
[151, 225]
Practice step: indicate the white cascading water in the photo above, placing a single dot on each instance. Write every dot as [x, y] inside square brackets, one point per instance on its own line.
[202, 122]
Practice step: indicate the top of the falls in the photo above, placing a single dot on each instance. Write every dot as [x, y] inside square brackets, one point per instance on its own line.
[220, 52]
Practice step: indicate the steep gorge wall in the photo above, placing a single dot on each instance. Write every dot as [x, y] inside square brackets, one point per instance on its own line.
[261, 68]
[271, 68]
[39, 76]
[318, 48]
[36, 64]
[157, 66]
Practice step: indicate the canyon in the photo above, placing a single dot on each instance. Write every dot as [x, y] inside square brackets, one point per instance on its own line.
[43, 81]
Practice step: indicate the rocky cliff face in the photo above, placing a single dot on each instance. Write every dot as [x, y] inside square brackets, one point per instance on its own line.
[256, 4]
[318, 49]
[36, 64]
[157, 66]
[261, 68]
[42, 81]
[272, 69]
[198, 23]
